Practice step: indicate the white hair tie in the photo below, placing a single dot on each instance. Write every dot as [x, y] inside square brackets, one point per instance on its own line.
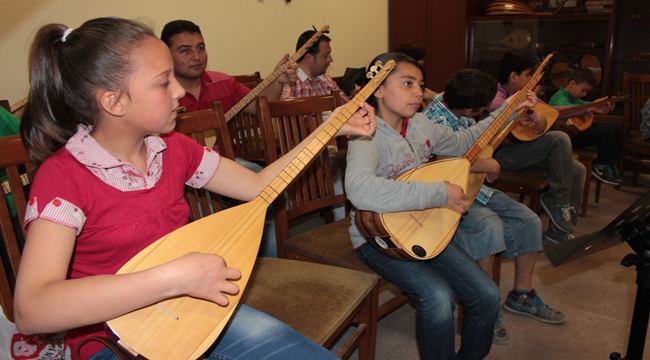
[66, 33]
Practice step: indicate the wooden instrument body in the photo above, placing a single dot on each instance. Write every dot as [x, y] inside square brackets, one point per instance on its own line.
[527, 132]
[575, 125]
[151, 331]
[417, 234]
[518, 39]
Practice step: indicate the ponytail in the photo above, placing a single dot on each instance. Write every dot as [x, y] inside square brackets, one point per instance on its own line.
[66, 68]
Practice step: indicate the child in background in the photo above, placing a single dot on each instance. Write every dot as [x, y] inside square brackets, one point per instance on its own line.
[607, 136]
[551, 152]
[494, 223]
[108, 186]
[404, 140]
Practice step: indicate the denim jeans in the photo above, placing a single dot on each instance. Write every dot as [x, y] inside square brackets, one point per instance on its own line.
[608, 138]
[434, 285]
[338, 210]
[550, 152]
[268, 246]
[502, 225]
[254, 335]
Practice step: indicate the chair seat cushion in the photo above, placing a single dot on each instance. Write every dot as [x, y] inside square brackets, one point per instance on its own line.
[638, 145]
[312, 298]
[535, 179]
[329, 244]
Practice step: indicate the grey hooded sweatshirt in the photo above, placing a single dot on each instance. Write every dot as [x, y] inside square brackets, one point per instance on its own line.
[372, 161]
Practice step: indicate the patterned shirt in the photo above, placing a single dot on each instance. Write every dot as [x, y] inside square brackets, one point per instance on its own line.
[440, 114]
[305, 86]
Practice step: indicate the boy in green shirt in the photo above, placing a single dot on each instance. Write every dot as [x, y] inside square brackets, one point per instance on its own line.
[608, 137]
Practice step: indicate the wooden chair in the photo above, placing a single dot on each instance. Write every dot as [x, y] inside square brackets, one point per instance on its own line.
[586, 157]
[17, 164]
[313, 192]
[319, 301]
[531, 183]
[637, 149]
[245, 130]
[249, 80]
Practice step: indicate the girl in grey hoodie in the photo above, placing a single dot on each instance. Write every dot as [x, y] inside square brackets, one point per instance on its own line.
[404, 140]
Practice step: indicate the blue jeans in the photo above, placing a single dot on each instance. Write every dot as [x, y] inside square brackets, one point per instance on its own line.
[551, 152]
[434, 285]
[254, 335]
[338, 210]
[502, 225]
[269, 245]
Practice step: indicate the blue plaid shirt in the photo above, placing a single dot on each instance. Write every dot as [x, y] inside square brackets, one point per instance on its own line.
[439, 113]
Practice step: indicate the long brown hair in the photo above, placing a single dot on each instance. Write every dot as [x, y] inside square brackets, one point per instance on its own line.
[66, 72]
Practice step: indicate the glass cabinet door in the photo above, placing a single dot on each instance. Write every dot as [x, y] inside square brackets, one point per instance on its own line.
[576, 40]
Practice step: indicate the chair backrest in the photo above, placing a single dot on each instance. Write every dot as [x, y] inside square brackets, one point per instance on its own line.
[639, 86]
[245, 129]
[292, 120]
[249, 80]
[17, 164]
[202, 126]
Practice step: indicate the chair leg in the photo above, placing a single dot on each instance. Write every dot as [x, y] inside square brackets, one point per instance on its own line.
[635, 175]
[496, 269]
[534, 201]
[585, 192]
[368, 315]
[597, 195]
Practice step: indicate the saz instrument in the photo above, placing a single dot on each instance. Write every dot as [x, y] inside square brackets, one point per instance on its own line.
[18, 105]
[423, 234]
[518, 39]
[241, 104]
[561, 71]
[577, 124]
[527, 132]
[185, 327]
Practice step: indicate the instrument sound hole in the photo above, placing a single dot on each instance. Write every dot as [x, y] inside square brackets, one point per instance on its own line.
[419, 250]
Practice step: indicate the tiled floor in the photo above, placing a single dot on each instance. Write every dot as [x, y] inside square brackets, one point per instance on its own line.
[596, 292]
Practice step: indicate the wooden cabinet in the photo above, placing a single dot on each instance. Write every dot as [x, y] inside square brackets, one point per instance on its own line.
[440, 27]
[618, 40]
[631, 46]
[571, 37]
[456, 35]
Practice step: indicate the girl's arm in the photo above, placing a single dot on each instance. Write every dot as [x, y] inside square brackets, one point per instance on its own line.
[45, 301]
[235, 181]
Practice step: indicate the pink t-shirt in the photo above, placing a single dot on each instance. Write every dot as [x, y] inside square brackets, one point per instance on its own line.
[82, 186]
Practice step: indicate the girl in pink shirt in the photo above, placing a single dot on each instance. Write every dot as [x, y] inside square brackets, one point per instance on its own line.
[108, 186]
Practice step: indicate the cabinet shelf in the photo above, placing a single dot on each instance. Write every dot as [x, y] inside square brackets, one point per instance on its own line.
[542, 17]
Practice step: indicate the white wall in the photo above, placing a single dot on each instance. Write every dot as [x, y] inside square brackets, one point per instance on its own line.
[242, 36]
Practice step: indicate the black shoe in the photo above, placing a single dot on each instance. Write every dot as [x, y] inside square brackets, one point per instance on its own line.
[605, 173]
